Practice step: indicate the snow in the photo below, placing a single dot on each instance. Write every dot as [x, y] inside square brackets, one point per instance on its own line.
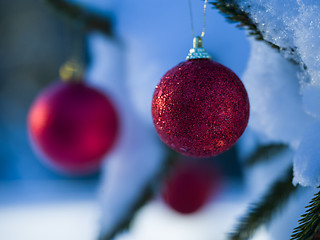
[49, 209]
[51, 221]
[284, 98]
[306, 161]
[290, 24]
[311, 99]
[307, 37]
[276, 108]
[273, 19]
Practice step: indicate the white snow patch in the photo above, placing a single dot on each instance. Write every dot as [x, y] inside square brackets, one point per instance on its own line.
[52, 221]
[275, 103]
[306, 161]
[293, 25]
[311, 100]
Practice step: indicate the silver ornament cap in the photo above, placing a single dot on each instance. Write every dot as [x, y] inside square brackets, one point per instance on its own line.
[197, 52]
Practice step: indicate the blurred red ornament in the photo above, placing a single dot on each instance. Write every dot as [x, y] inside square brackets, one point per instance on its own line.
[191, 186]
[200, 108]
[74, 126]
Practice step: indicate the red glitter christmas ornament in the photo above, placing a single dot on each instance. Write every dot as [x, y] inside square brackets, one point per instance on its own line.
[200, 108]
[191, 185]
[73, 126]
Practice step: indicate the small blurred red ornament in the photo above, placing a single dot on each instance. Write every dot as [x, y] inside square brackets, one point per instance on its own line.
[200, 108]
[74, 126]
[191, 185]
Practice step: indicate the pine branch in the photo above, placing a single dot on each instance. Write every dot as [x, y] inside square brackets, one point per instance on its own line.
[261, 213]
[234, 14]
[146, 195]
[264, 153]
[88, 19]
[309, 224]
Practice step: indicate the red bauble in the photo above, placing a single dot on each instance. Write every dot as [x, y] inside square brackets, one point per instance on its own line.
[74, 126]
[200, 108]
[191, 186]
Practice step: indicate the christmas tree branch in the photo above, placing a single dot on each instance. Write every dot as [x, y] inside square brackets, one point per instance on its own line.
[264, 153]
[309, 224]
[234, 14]
[88, 19]
[146, 195]
[261, 213]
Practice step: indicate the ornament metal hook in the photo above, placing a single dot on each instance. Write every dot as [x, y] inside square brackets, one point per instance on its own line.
[197, 52]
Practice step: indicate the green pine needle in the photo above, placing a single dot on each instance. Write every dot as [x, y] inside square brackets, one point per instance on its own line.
[265, 153]
[262, 212]
[233, 13]
[309, 224]
[144, 197]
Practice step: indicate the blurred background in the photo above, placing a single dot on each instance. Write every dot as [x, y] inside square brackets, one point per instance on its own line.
[35, 201]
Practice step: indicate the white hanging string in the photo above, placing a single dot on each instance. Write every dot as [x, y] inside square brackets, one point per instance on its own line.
[204, 18]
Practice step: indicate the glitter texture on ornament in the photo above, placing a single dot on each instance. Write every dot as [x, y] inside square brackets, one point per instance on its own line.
[200, 108]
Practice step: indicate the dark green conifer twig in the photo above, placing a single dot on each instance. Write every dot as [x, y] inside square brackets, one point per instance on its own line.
[233, 13]
[265, 153]
[89, 19]
[146, 195]
[143, 198]
[309, 224]
[261, 213]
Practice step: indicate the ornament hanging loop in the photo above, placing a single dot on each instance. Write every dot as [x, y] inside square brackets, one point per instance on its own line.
[204, 18]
